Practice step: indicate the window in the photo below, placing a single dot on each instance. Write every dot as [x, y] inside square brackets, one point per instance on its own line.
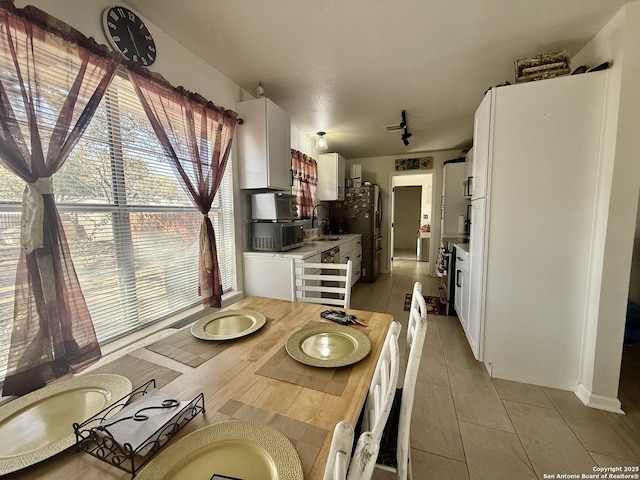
[132, 230]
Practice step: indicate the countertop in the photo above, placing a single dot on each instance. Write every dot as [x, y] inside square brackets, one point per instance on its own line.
[462, 246]
[310, 247]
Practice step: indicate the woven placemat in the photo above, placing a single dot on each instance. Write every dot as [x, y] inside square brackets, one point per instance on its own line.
[139, 371]
[307, 439]
[328, 380]
[183, 347]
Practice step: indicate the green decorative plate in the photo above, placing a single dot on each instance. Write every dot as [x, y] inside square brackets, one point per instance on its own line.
[328, 345]
[40, 424]
[240, 449]
[228, 325]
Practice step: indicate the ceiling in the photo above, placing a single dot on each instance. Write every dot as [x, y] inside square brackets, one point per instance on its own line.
[349, 67]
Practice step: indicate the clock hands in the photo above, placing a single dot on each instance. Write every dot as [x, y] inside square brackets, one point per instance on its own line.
[133, 41]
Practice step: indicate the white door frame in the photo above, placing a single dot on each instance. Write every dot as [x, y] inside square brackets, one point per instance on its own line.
[392, 184]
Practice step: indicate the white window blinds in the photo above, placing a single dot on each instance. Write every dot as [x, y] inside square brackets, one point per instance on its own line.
[132, 231]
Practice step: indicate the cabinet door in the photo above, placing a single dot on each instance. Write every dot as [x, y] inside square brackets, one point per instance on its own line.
[331, 176]
[454, 203]
[481, 144]
[457, 304]
[279, 147]
[264, 145]
[268, 276]
[476, 271]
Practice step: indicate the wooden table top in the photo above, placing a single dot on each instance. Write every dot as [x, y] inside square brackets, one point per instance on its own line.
[231, 375]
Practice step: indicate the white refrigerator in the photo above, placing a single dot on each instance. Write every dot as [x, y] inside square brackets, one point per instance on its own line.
[536, 151]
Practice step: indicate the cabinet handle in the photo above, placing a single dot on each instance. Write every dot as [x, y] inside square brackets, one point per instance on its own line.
[458, 258]
[458, 272]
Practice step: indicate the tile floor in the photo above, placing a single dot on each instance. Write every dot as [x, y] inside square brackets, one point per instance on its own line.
[467, 425]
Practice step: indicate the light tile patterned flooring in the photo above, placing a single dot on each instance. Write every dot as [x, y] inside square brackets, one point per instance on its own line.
[467, 425]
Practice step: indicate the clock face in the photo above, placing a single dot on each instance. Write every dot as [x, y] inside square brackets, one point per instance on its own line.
[129, 35]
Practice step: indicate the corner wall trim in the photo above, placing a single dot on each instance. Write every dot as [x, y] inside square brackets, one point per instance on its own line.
[609, 404]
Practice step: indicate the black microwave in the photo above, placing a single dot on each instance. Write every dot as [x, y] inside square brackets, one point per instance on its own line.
[276, 236]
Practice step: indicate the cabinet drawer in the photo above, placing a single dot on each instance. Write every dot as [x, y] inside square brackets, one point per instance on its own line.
[462, 260]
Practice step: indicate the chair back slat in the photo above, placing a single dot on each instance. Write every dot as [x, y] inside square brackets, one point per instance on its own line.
[383, 384]
[324, 283]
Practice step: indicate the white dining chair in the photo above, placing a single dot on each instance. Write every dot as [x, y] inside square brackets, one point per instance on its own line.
[339, 452]
[383, 385]
[363, 461]
[341, 465]
[395, 450]
[324, 283]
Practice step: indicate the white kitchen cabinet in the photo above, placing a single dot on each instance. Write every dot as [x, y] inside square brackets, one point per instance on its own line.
[453, 202]
[264, 145]
[353, 251]
[482, 121]
[476, 270]
[331, 176]
[269, 274]
[532, 230]
[461, 299]
[468, 173]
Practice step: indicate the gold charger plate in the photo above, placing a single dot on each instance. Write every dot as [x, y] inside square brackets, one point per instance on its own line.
[40, 423]
[328, 345]
[239, 448]
[228, 325]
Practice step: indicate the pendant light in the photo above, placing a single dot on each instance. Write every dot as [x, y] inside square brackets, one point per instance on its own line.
[321, 142]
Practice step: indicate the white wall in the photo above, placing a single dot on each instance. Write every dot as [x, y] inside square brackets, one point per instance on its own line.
[381, 169]
[406, 219]
[616, 212]
[180, 67]
[426, 182]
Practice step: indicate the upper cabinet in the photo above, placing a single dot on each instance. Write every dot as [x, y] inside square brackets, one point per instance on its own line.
[331, 176]
[482, 121]
[264, 145]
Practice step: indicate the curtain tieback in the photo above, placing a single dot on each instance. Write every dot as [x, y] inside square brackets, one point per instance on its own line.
[205, 246]
[32, 219]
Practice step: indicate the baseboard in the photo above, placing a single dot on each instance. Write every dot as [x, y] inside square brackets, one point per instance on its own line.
[608, 404]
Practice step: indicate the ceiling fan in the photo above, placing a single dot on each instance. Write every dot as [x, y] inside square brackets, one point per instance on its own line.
[401, 126]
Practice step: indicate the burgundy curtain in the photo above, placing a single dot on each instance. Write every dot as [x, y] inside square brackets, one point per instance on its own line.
[49, 91]
[197, 136]
[305, 181]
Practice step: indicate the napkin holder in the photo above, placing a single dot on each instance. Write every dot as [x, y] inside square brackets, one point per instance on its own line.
[99, 442]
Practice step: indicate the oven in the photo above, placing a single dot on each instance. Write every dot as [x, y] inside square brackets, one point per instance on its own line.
[445, 269]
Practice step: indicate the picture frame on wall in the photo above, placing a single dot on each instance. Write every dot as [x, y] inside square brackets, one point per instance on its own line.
[421, 163]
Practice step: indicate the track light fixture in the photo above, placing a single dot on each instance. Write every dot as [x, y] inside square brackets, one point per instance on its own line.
[401, 126]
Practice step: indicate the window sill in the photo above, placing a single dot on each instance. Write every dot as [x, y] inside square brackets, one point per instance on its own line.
[177, 321]
[185, 317]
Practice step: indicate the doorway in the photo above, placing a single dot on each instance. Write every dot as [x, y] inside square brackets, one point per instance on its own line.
[407, 218]
[411, 208]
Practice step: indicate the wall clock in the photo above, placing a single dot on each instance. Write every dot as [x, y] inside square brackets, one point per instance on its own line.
[128, 34]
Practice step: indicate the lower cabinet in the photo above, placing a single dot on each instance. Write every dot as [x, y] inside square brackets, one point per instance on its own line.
[462, 285]
[352, 251]
[269, 275]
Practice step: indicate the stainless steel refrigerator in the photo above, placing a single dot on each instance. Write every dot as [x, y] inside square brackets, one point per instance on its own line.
[361, 212]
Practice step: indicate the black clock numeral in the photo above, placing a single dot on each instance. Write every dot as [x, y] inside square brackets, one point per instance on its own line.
[135, 44]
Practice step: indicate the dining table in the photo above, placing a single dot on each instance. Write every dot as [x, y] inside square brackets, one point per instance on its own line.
[248, 378]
